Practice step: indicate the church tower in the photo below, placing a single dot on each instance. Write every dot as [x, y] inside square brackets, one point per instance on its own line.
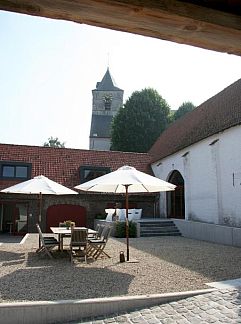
[107, 98]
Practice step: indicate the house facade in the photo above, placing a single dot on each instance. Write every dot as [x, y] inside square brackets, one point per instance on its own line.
[200, 153]
[107, 99]
[69, 167]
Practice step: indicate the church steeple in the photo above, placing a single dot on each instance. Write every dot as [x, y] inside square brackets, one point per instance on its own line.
[107, 99]
[107, 83]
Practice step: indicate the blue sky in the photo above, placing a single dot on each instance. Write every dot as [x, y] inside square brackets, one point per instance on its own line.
[49, 67]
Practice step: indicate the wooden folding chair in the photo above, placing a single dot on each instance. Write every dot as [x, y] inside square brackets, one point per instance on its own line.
[97, 246]
[46, 243]
[78, 243]
[100, 229]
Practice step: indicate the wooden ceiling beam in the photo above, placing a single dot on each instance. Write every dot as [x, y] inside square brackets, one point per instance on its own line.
[176, 21]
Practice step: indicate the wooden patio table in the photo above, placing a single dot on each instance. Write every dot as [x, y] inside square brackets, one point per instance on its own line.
[64, 231]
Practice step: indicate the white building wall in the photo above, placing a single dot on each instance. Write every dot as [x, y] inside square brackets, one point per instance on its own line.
[212, 174]
[230, 151]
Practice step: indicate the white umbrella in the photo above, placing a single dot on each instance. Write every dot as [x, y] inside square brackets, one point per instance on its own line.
[126, 180]
[40, 185]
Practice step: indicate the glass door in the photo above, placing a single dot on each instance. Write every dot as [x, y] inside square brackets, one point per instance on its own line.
[13, 218]
[20, 218]
[1, 217]
[6, 217]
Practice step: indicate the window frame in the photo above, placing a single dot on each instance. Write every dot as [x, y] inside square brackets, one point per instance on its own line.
[83, 168]
[15, 165]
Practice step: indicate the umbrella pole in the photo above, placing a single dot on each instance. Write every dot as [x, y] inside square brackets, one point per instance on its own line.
[127, 224]
[40, 206]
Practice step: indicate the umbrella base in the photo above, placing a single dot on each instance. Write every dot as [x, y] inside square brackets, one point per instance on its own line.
[133, 261]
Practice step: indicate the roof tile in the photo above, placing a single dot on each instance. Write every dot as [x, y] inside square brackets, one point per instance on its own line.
[218, 113]
[62, 164]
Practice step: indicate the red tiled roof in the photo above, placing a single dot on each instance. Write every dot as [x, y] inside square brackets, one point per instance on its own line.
[62, 164]
[213, 116]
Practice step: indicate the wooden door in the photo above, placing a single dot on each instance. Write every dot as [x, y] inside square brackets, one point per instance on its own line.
[59, 213]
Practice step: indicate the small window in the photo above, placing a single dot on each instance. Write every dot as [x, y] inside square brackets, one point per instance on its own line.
[8, 171]
[15, 170]
[107, 105]
[21, 171]
[88, 173]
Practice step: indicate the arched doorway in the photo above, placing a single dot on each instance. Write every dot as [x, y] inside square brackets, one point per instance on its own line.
[59, 213]
[176, 199]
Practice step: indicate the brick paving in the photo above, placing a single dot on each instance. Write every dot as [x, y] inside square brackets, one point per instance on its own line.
[221, 306]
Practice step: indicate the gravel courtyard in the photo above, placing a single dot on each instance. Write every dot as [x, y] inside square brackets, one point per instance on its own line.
[165, 264]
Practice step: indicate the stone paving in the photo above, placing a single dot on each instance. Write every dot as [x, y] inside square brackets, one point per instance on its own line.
[221, 306]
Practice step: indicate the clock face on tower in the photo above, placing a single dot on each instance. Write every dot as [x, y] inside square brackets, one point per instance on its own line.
[107, 99]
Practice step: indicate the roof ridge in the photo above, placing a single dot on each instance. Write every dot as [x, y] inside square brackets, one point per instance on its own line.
[221, 111]
[72, 149]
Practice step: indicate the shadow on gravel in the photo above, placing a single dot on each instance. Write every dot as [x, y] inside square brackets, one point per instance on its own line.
[63, 281]
[215, 261]
[7, 257]
[9, 238]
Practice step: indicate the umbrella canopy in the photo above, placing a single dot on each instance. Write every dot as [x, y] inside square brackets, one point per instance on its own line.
[116, 182]
[126, 180]
[40, 184]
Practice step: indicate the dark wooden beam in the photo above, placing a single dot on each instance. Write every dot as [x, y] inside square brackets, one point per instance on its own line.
[176, 21]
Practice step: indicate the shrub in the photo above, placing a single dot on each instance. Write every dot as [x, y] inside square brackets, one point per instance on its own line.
[121, 229]
[100, 216]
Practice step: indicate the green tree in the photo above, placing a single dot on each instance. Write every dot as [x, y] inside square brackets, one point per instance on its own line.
[54, 142]
[139, 122]
[171, 117]
[183, 109]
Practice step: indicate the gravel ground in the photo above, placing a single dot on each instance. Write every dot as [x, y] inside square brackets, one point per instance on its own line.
[165, 264]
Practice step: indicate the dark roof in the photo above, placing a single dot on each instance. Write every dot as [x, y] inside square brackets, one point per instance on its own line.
[213, 116]
[107, 83]
[100, 125]
[63, 164]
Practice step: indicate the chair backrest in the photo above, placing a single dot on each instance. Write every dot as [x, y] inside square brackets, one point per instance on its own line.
[100, 230]
[41, 237]
[110, 213]
[131, 214]
[121, 213]
[40, 232]
[137, 214]
[97, 227]
[106, 233]
[79, 235]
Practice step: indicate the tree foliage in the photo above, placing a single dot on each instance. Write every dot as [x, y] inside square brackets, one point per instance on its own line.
[183, 109]
[171, 117]
[139, 122]
[54, 142]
